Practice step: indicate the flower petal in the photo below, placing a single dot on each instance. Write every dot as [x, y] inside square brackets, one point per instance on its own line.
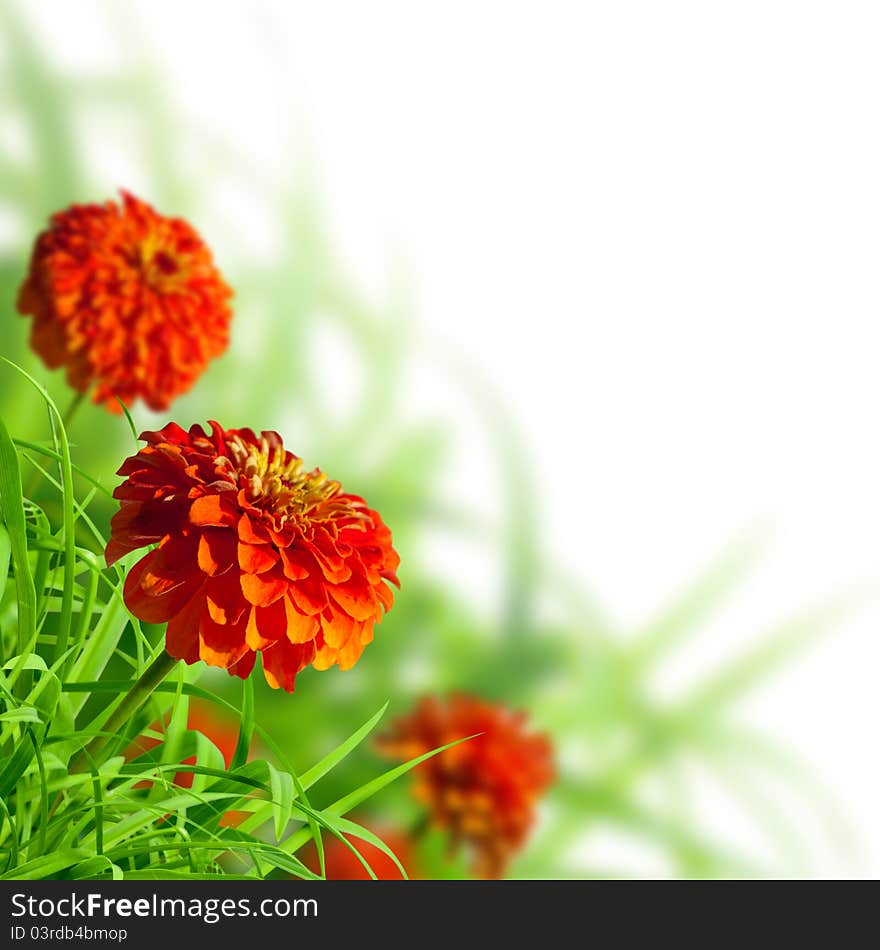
[216, 550]
[262, 589]
[297, 564]
[300, 627]
[251, 532]
[182, 635]
[350, 653]
[338, 629]
[211, 510]
[356, 598]
[385, 595]
[256, 558]
[226, 603]
[156, 605]
[266, 625]
[244, 667]
[309, 595]
[283, 660]
[221, 645]
[324, 658]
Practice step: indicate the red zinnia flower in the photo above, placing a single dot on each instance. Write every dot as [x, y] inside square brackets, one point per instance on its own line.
[126, 299]
[484, 791]
[254, 553]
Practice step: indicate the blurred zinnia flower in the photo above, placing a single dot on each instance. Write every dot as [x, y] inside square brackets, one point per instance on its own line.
[254, 553]
[217, 726]
[127, 300]
[341, 864]
[483, 791]
[204, 718]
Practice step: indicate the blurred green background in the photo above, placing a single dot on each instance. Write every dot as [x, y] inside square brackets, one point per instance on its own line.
[627, 759]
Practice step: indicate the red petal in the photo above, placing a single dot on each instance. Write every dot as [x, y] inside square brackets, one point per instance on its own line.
[163, 605]
[283, 661]
[182, 635]
[226, 604]
[243, 668]
[266, 625]
[221, 645]
[171, 432]
[309, 595]
[117, 549]
[176, 558]
[137, 524]
[216, 550]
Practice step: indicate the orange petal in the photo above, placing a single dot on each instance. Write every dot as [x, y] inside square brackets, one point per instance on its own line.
[333, 565]
[249, 532]
[262, 589]
[324, 658]
[221, 645]
[296, 563]
[256, 558]
[350, 653]
[210, 510]
[355, 598]
[385, 594]
[339, 629]
[300, 627]
[367, 632]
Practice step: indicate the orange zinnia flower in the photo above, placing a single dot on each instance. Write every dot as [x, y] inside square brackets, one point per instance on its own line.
[484, 791]
[127, 300]
[254, 553]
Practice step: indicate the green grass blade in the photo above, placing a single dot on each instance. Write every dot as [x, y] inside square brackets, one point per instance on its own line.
[320, 769]
[12, 504]
[246, 732]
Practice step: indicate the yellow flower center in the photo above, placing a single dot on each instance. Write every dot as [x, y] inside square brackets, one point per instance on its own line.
[276, 482]
[158, 267]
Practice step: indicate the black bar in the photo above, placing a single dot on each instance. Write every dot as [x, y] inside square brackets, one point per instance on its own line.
[401, 913]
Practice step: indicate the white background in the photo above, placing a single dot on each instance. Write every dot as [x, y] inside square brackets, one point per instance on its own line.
[656, 229]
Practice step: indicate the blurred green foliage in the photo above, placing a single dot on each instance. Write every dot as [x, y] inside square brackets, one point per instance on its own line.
[579, 678]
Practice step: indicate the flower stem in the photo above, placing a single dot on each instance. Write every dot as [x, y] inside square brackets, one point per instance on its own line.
[72, 408]
[135, 698]
[419, 827]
